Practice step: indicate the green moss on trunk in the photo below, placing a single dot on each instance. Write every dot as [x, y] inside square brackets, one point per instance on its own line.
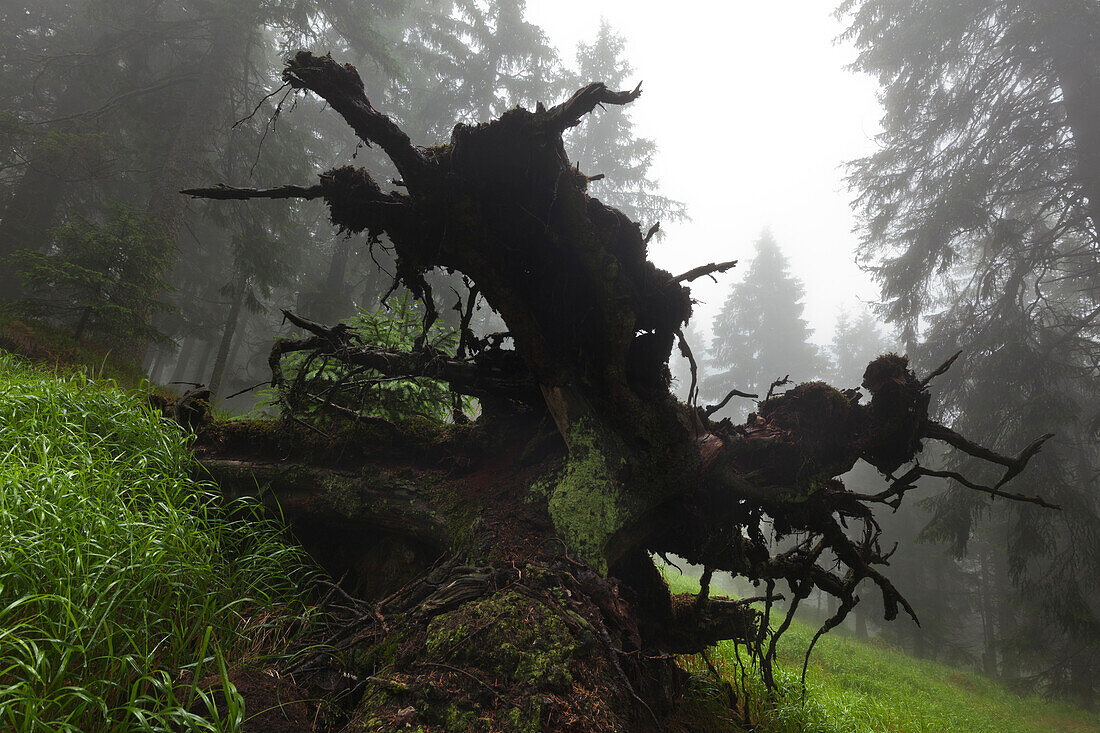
[588, 505]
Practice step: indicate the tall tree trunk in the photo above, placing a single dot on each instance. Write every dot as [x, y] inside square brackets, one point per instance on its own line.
[1006, 619]
[200, 371]
[989, 635]
[238, 343]
[228, 331]
[1070, 31]
[82, 324]
[1083, 680]
[860, 614]
[187, 350]
[335, 298]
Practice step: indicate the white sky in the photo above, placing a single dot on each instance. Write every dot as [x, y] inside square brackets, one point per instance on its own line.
[754, 115]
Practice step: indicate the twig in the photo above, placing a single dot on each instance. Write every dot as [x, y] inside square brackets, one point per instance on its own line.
[992, 491]
[1014, 465]
[468, 674]
[259, 104]
[246, 389]
[708, 411]
[614, 653]
[693, 392]
[777, 383]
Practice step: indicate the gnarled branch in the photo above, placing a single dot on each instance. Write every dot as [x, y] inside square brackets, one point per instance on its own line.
[341, 87]
[494, 374]
[584, 100]
[702, 270]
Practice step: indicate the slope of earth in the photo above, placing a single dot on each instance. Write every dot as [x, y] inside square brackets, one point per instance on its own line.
[869, 686]
[129, 599]
[56, 349]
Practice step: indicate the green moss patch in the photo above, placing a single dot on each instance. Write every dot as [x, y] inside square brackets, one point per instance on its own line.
[587, 503]
[509, 635]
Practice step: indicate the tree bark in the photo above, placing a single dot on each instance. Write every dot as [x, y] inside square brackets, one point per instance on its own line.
[1070, 30]
[986, 596]
[187, 350]
[204, 359]
[229, 329]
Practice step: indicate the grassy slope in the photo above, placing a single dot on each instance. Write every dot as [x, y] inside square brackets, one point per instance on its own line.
[121, 581]
[867, 686]
[99, 629]
[56, 349]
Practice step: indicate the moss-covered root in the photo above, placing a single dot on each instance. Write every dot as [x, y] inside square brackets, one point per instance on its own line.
[508, 661]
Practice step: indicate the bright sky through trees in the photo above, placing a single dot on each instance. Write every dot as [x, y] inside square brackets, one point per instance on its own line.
[754, 114]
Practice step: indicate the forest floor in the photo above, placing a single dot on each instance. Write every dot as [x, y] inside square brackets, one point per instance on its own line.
[57, 349]
[73, 445]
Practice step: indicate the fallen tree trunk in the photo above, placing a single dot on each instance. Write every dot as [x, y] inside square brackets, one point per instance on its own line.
[634, 471]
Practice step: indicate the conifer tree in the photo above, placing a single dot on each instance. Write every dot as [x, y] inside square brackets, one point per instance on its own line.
[606, 144]
[980, 212]
[760, 335]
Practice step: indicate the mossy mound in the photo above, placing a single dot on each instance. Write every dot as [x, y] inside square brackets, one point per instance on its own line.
[338, 445]
[587, 504]
[519, 638]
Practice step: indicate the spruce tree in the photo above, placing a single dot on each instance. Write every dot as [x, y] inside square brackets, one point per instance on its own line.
[760, 335]
[980, 212]
[606, 144]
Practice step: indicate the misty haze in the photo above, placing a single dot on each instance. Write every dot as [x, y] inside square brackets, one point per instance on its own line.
[491, 365]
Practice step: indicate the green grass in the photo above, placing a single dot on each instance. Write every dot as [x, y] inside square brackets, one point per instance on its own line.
[121, 582]
[867, 686]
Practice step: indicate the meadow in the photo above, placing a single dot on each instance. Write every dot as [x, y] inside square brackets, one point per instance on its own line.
[855, 686]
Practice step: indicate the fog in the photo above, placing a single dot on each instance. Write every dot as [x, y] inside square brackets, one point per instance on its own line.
[906, 177]
[755, 114]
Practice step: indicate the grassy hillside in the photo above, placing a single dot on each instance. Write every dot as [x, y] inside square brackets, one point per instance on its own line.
[56, 349]
[121, 581]
[854, 686]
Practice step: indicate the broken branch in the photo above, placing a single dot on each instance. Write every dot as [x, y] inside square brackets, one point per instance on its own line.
[940, 369]
[708, 411]
[232, 193]
[700, 271]
[341, 87]
[478, 378]
[569, 113]
[991, 490]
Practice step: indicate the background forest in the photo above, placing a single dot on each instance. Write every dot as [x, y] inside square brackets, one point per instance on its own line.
[979, 215]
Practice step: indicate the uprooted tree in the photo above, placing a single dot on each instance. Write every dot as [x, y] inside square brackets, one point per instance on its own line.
[620, 471]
